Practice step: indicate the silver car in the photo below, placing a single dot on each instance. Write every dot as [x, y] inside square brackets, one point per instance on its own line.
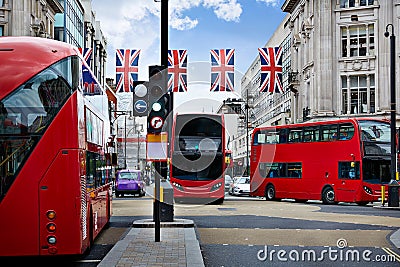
[241, 186]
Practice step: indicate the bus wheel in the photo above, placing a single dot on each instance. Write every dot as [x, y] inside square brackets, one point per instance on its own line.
[219, 201]
[328, 195]
[270, 192]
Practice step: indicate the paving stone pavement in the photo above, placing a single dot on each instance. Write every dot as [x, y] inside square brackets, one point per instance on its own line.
[178, 247]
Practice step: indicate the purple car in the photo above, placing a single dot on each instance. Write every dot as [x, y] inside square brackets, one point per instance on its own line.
[129, 182]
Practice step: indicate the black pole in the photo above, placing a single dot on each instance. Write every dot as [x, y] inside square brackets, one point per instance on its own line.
[125, 161]
[158, 165]
[156, 210]
[393, 105]
[164, 33]
[392, 102]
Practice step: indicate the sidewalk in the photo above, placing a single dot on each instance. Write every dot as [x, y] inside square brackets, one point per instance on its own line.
[178, 246]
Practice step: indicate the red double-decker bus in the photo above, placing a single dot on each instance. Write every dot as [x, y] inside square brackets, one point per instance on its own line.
[55, 190]
[334, 161]
[197, 162]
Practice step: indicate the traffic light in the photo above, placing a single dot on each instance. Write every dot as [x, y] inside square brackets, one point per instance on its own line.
[140, 98]
[158, 99]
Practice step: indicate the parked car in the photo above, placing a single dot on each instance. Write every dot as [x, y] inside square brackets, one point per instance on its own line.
[241, 187]
[228, 182]
[129, 182]
[234, 180]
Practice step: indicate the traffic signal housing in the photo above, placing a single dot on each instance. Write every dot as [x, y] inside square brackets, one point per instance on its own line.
[140, 98]
[158, 99]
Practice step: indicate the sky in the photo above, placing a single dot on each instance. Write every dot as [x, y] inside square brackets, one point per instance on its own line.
[195, 25]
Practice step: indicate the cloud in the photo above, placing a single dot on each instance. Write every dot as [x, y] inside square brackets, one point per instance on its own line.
[136, 23]
[228, 10]
[270, 2]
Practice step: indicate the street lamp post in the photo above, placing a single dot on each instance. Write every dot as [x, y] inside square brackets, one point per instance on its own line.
[125, 164]
[392, 101]
[138, 142]
[247, 132]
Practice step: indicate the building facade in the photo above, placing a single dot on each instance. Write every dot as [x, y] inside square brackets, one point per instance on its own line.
[342, 57]
[70, 21]
[336, 63]
[29, 17]
[70, 24]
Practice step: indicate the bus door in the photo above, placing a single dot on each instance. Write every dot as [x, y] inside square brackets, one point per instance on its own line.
[348, 181]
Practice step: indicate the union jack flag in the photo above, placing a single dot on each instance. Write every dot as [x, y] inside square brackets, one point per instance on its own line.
[222, 70]
[126, 69]
[177, 70]
[87, 54]
[271, 70]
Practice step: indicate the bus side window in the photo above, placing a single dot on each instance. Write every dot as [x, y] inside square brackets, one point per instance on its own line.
[329, 132]
[294, 135]
[259, 138]
[346, 131]
[349, 170]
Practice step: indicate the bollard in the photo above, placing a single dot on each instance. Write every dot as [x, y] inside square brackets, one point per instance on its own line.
[393, 193]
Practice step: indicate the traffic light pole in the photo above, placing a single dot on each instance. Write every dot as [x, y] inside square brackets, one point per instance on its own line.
[158, 165]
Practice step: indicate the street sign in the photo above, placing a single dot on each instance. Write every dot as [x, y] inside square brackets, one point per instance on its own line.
[140, 106]
[157, 147]
[156, 122]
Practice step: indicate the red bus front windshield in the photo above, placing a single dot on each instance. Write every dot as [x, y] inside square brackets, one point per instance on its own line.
[26, 113]
[198, 149]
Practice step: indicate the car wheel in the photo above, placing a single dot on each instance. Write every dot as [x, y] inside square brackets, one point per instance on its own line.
[328, 195]
[270, 192]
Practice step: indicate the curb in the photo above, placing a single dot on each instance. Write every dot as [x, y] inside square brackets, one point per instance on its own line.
[177, 223]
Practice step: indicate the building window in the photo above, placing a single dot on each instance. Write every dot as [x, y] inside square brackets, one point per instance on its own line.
[1, 29]
[358, 94]
[358, 41]
[352, 3]
[347, 3]
[366, 2]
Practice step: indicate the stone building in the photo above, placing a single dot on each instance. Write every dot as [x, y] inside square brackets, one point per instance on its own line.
[70, 21]
[341, 56]
[336, 63]
[29, 18]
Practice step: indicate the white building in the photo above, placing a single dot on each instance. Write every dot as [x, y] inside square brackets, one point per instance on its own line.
[336, 63]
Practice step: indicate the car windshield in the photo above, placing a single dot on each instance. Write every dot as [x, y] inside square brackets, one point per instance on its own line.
[128, 175]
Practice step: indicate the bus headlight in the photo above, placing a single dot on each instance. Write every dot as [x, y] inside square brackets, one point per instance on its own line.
[216, 187]
[367, 190]
[178, 186]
